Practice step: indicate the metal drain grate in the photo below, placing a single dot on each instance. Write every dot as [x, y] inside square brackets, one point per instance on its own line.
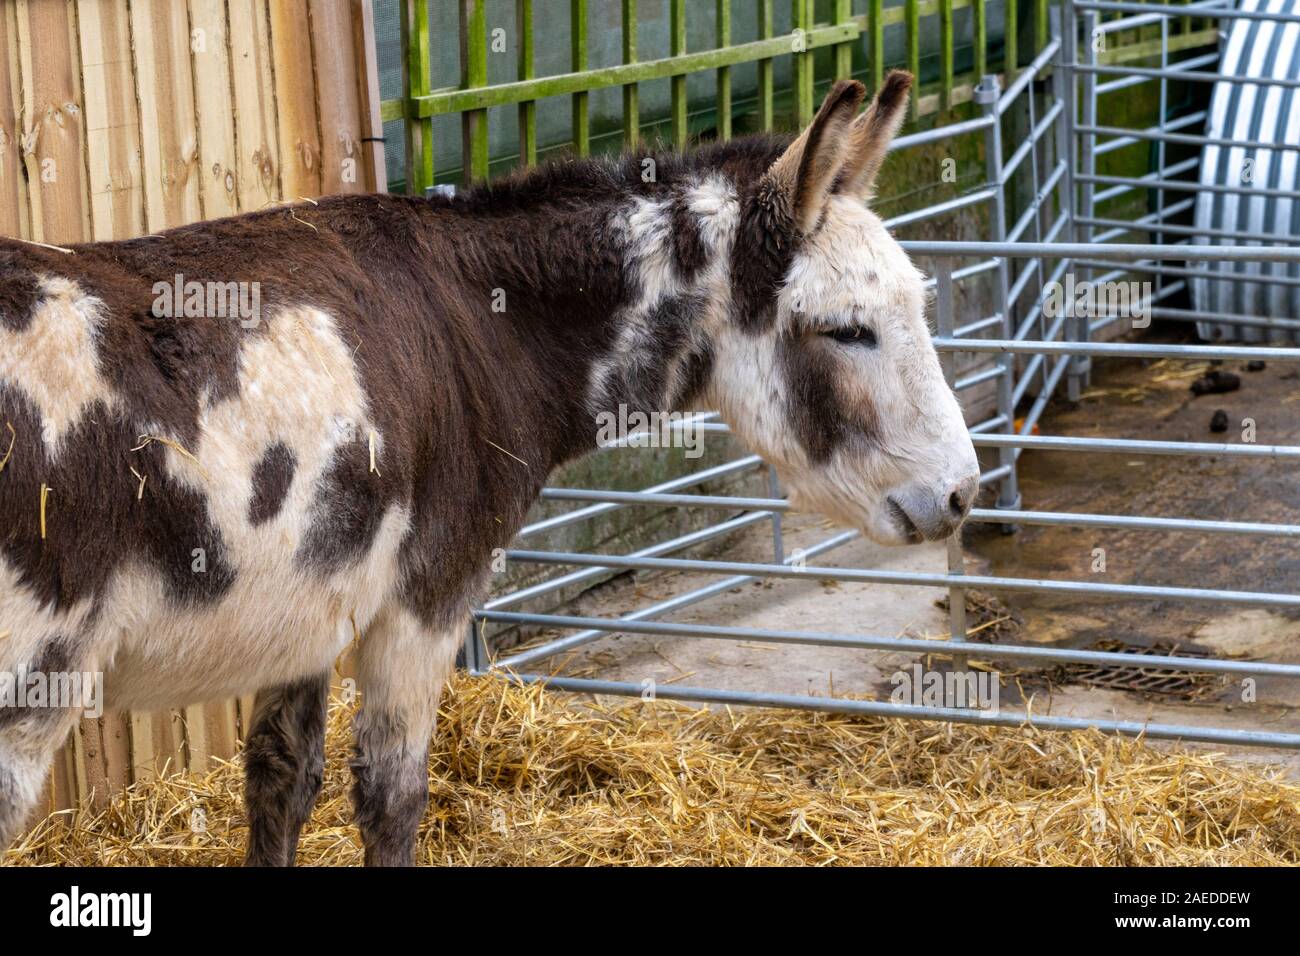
[1180, 685]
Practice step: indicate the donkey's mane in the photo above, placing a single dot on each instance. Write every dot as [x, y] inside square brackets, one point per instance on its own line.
[569, 180]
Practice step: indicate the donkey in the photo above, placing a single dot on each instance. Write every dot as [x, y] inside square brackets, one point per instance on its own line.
[200, 507]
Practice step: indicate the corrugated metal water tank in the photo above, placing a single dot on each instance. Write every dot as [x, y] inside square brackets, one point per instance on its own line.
[1261, 113]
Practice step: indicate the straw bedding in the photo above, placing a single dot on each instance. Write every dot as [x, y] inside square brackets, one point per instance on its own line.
[524, 776]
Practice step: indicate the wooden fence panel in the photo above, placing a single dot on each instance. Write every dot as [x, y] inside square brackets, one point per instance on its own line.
[295, 99]
[13, 189]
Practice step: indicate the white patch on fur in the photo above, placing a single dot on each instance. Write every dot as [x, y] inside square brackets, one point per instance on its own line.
[53, 360]
[716, 208]
[278, 622]
[646, 228]
[299, 387]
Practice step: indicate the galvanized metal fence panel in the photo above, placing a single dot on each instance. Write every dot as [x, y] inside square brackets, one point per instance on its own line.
[1036, 353]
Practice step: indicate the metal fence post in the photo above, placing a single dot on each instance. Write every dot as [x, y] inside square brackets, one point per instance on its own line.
[778, 528]
[945, 311]
[987, 95]
[1062, 28]
[1080, 367]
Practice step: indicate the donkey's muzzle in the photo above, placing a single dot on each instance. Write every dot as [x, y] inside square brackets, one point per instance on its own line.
[931, 514]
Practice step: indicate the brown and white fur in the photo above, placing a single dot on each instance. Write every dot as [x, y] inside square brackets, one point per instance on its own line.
[225, 507]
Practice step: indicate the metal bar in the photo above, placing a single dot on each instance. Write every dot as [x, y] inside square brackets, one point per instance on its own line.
[917, 578]
[664, 607]
[685, 481]
[1162, 270]
[1027, 147]
[948, 131]
[988, 99]
[945, 311]
[1228, 318]
[1016, 652]
[1185, 139]
[1122, 142]
[1135, 447]
[1180, 185]
[1083, 155]
[970, 381]
[989, 425]
[1026, 76]
[940, 209]
[979, 326]
[888, 709]
[1123, 226]
[1119, 349]
[778, 525]
[1114, 251]
[1212, 12]
[981, 38]
[1170, 171]
[1128, 82]
[1147, 19]
[701, 536]
[1190, 76]
[1059, 518]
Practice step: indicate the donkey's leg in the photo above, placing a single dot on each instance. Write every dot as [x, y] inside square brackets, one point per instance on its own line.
[34, 724]
[28, 743]
[401, 668]
[284, 763]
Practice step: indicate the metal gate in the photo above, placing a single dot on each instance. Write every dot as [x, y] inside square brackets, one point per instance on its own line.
[1031, 354]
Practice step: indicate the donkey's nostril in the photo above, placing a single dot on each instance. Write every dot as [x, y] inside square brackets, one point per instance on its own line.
[962, 496]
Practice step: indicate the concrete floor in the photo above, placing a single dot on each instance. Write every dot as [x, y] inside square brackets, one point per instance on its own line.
[1135, 399]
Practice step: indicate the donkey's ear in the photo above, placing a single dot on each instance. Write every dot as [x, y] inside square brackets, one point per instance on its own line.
[807, 170]
[871, 134]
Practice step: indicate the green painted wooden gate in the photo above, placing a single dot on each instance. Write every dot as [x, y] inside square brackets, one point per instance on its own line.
[827, 40]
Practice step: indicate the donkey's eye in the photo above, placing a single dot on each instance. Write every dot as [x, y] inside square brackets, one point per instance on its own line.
[862, 335]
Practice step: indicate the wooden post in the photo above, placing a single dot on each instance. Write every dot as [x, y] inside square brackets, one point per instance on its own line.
[295, 100]
[338, 96]
[257, 171]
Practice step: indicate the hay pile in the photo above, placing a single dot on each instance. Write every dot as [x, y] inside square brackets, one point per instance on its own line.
[522, 776]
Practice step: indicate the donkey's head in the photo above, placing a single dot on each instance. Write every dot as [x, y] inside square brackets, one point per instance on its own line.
[825, 364]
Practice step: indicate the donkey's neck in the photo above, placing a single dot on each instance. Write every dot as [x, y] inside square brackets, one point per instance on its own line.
[602, 303]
